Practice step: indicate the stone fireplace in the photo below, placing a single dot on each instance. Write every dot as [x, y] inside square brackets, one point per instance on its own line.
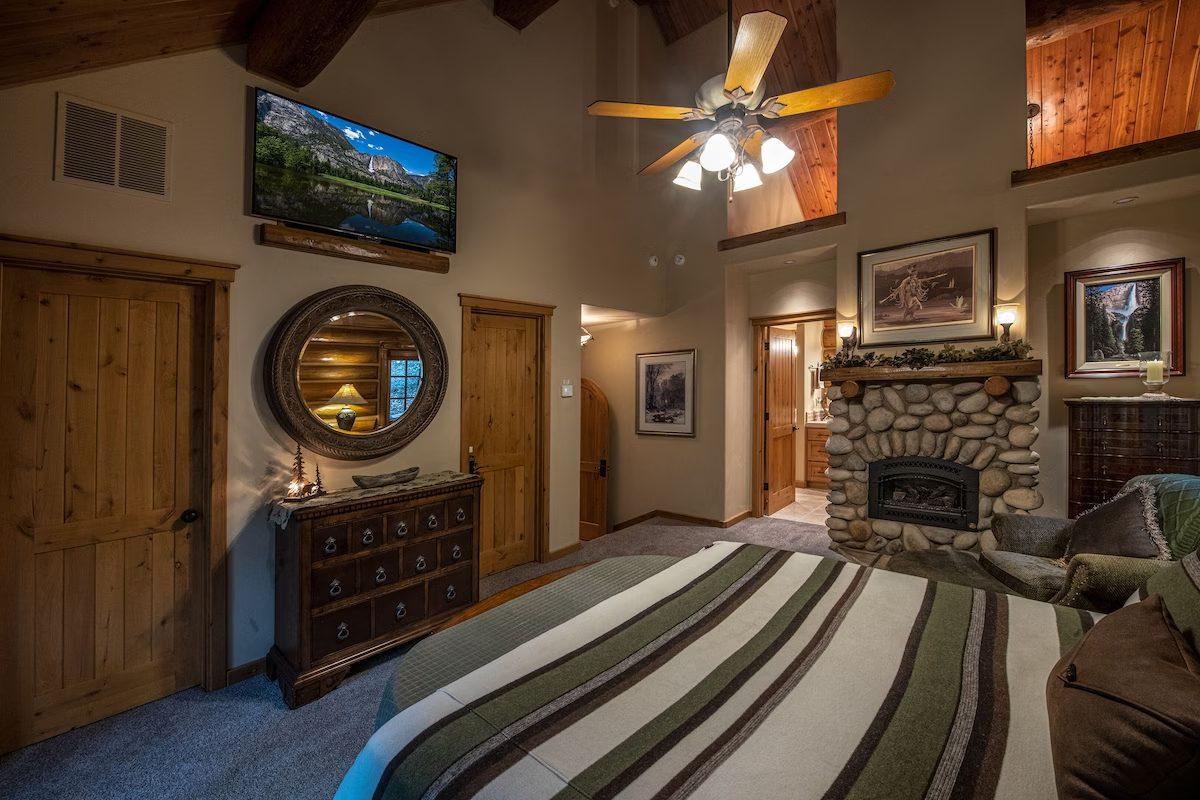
[920, 460]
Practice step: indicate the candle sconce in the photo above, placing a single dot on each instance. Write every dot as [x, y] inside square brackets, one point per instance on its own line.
[1155, 370]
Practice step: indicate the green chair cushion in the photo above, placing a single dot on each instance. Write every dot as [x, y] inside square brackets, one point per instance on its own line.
[1034, 577]
[1179, 509]
[1179, 585]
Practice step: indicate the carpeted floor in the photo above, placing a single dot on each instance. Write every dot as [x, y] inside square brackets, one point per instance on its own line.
[242, 742]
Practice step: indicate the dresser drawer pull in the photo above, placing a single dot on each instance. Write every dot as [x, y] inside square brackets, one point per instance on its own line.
[450, 592]
[330, 546]
[343, 632]
[401, 611]
[368, 536]
[460, 515]
[401, 529]
[1161, 446]
[335, 587]
[421, 564]
[456, 552]
[432, 522]
[380, 575]
[1104, 471]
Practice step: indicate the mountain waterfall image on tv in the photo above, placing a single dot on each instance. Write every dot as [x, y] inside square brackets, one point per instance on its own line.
[315, 169]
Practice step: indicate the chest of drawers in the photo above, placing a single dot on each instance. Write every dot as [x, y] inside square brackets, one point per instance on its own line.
[361, 571]
[1114, 439]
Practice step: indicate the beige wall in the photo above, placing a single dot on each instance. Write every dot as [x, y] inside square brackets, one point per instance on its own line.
[1128, 235]
[793, 290]
[544, 212]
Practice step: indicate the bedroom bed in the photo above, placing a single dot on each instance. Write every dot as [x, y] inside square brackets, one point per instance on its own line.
[737, 671]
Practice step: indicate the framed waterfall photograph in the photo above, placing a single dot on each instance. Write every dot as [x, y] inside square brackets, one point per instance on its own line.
[938, 290]
[666, 393]
[1114, 314]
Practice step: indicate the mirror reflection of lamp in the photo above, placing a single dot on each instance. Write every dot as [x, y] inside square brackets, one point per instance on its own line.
[346, 397]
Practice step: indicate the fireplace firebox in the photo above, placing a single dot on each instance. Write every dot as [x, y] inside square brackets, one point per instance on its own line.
[924, 491]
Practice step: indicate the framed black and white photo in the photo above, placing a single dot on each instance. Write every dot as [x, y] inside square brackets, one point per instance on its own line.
[938, 290]
[666, 393]
[1114, 314]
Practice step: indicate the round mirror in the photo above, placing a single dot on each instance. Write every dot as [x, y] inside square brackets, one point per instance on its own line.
[356, 372]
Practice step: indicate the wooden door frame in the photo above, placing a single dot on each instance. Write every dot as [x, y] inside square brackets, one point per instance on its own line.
[212, 279]
[541, 315]
[758, 503]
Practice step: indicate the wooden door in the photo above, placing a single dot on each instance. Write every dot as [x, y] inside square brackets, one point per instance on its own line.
[593, 461]
[501, 420]
[102, 602]
[781, 418]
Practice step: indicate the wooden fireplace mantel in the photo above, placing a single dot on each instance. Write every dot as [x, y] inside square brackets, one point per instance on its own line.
[965, 371]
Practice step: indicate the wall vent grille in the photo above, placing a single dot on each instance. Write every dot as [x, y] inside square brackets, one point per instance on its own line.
[108, 148]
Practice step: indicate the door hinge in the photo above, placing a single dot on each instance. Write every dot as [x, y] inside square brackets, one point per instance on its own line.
[766, 347]
[766, 487]
[766, 416]
[604, 468]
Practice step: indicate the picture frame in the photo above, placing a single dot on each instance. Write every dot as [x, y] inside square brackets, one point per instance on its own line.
[935, 290]
[665, 396]
[1115, 313]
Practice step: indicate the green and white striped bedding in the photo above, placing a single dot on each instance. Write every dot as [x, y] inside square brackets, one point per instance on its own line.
[743, 671]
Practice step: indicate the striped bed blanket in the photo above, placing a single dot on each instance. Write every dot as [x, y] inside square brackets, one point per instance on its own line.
[747, 672]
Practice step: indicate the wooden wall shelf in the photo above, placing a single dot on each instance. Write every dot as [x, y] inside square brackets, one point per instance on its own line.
[783, 231]
[330, 244]
[1180, 143]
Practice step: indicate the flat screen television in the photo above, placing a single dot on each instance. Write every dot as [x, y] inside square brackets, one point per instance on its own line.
[317, 170]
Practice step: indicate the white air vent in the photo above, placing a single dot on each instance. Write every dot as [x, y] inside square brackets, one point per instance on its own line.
[113, 149]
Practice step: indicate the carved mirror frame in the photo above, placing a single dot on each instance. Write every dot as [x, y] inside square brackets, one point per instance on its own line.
[281, 372]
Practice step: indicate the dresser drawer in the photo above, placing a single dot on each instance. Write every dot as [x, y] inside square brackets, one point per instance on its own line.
[334, 583]
[454, 548]
[344, 628]
[366, 534]
[402, 525]
[419, 558]
[431, 518]
[330, 541]
[399, 609]
[378, 569]
[1136, 417]
[460, 511]
[450, 591]
[1134, 443]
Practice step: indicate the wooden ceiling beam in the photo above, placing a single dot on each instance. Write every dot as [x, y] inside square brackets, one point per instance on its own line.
[293, 40]
[1050, 20]
[520, 13]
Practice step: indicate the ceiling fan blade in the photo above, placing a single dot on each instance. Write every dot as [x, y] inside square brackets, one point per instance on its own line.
[757, 36]
[831, 95]
[609, 108]
[681, 150]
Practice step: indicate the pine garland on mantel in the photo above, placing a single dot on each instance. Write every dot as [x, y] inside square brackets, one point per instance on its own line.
[921, 357]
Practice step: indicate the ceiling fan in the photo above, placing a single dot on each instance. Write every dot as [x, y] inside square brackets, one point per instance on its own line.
[735, 102]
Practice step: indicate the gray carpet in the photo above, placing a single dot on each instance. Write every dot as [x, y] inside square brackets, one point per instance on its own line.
[242, 742]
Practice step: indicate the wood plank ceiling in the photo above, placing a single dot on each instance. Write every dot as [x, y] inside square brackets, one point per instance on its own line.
[1122, 80]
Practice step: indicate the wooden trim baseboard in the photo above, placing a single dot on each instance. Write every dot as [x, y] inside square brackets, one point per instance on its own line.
[801, 484]
[784, 231]
[1129, 154]
[245, 672]
[688, 518]
[554, 555]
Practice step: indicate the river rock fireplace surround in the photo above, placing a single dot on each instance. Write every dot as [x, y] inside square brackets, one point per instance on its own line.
[920, 459]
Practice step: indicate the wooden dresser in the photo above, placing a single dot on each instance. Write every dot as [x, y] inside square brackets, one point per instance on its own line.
[1115, 439]
[360, 571]
[816, 460]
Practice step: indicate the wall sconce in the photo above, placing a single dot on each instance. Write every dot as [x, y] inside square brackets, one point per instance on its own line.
[1006, 315]
[848, 333]
[584, 336]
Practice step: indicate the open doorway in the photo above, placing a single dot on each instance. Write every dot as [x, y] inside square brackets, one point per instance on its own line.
[790, 415]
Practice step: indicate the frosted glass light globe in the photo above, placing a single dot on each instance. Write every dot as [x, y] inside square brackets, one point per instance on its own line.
[775, 155]
[718, 153]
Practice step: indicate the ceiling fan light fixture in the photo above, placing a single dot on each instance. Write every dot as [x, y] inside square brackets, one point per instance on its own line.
[690, 175]
[775, 155]
[718, 153]
[747, 178]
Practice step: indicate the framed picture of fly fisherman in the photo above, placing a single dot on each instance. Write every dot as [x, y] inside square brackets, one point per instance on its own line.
[939, 290]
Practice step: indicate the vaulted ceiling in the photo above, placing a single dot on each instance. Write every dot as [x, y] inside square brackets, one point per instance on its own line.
[1123, 73]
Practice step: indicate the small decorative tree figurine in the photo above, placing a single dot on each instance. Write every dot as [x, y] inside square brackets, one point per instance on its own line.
[299, 488]
[319, 486]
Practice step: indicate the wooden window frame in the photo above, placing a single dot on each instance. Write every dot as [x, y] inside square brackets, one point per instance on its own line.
[758, 504]
[541, 314]
[213, 280]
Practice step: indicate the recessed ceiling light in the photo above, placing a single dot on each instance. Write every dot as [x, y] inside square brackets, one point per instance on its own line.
[1124, 201]
[789, 261]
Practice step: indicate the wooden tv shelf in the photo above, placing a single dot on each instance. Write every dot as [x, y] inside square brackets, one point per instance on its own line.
[330, 244]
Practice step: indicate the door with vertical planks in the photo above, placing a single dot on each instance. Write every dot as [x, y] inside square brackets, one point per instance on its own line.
[102, 601]
[593, 461]
[781, 419]
[500, 419]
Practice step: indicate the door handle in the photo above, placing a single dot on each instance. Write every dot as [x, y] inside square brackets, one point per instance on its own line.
[189, 516]
[604, 468]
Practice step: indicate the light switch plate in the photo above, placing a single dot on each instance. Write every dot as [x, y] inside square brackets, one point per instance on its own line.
[567, 389]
